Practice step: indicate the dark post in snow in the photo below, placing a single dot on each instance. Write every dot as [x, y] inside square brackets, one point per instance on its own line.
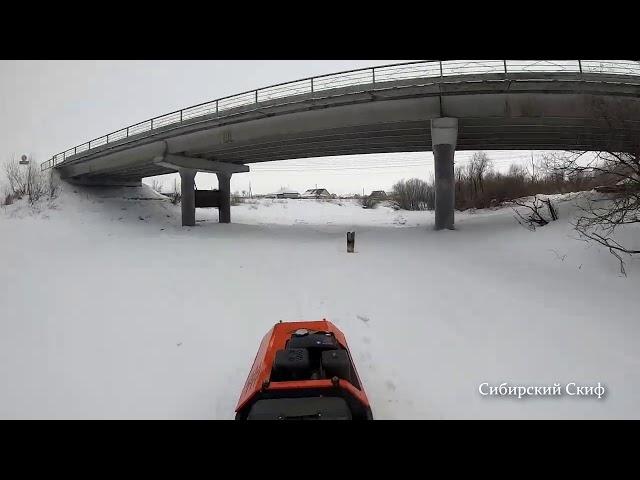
[351, 241]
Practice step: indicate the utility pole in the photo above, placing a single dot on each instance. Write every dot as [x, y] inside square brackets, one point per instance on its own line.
[533, 168]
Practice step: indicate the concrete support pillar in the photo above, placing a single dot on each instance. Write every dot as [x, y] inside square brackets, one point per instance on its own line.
[224, 186]
[444, 135]
[188, 192]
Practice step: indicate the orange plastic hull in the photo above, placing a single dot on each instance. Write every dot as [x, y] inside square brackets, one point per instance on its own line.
[259, 380]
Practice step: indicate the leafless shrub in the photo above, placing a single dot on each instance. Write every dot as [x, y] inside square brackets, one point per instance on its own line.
[369, 201]
[37, 183]
[479, 186]
[29, 180]
[413, 194]
[536, 216]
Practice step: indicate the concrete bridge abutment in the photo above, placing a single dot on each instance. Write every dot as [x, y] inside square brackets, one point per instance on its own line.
[188, 196]
[188, 193]
[224, 187]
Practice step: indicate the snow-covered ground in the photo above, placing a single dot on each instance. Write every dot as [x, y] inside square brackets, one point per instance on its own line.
[110, 309]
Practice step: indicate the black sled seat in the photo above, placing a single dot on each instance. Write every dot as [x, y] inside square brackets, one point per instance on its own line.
[306, 408]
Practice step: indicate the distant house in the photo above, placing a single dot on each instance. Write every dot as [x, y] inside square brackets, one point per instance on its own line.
[284, 193]
[378, 194]
[288, 194]
[316, 193]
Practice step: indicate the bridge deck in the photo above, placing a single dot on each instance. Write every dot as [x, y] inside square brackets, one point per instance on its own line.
[513, 110]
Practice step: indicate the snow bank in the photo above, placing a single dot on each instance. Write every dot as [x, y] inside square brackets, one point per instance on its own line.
[110, 309]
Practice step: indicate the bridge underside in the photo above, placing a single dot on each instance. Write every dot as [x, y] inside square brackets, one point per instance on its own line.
[474, 134]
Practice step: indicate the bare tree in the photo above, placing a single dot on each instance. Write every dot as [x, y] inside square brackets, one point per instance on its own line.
[175, 194]
[532, 170]
[156, 185]
[16, 178]
[619, 177]
[477, 169]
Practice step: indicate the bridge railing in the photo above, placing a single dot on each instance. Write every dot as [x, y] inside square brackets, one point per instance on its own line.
[371, 76]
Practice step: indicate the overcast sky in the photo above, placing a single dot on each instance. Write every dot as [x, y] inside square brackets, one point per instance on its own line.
[49, 106]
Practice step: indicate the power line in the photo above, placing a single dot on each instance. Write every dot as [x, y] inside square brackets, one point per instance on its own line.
[498, 158]
[391, 166]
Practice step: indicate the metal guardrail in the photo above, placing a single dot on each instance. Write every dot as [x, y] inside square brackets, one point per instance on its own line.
[224, 106]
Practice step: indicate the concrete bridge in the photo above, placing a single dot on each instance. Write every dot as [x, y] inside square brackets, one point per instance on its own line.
[442, 106]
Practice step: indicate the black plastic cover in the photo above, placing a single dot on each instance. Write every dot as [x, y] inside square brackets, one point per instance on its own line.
[291, 364]
[336, 363]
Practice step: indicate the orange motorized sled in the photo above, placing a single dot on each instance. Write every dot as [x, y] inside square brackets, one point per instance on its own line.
[303, 371]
